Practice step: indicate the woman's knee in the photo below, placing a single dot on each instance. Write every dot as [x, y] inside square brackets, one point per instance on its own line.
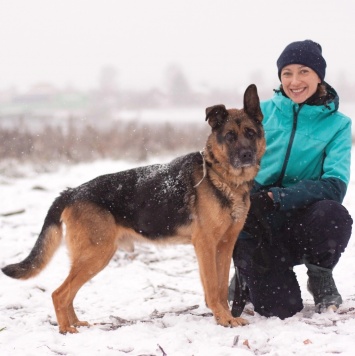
[331, 214]
[322, 233]
[325, 220]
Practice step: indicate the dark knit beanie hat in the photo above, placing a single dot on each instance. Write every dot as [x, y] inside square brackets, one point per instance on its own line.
[306, 52]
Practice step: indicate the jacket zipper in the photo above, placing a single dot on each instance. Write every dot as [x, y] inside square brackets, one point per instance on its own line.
[290, 143]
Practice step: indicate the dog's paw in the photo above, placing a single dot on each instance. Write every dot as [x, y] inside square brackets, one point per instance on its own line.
[231, 322]
[68, 329]
[73, 329]
[81, 323]
[238, 322]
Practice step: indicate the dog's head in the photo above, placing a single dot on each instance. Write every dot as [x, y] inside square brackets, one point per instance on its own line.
[237, 139]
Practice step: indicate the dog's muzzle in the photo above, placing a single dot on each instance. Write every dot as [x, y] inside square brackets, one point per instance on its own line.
[244, 158]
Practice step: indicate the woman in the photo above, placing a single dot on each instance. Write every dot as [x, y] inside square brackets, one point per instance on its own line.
[296, 214]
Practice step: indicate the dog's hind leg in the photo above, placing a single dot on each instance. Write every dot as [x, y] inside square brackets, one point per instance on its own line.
[81, 272]
[92, 241]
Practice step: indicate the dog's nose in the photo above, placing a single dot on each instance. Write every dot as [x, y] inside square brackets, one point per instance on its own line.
[246, 156]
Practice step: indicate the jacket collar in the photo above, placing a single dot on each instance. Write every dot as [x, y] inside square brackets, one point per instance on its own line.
[316, 103]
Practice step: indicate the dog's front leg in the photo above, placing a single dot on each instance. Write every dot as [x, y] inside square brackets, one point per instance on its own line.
[223, 262]
[213, 278]
[224, 254]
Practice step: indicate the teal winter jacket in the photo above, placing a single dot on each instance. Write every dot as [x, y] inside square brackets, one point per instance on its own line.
[308, 149]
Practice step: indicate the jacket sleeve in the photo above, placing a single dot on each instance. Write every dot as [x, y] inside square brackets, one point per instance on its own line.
[332, 185]
[307, 192]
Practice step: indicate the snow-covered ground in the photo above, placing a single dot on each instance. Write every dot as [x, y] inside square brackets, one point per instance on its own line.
[154, 289]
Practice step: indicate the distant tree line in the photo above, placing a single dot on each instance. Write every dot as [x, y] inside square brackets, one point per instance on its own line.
[125, 140]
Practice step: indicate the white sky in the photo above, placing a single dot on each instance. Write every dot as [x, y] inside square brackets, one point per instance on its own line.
[217, 43]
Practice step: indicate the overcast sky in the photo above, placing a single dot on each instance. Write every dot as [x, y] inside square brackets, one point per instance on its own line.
[217, 43]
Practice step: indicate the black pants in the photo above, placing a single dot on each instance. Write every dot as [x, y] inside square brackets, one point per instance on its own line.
[317, 235]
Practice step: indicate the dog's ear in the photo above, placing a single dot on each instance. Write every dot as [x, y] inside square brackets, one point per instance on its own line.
[252, 103]
[216, 115]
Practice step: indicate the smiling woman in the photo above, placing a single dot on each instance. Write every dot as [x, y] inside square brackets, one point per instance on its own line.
[299, 82]
[301, 68]
[296, 214]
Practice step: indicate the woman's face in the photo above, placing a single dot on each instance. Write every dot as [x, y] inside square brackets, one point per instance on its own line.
[299, 82]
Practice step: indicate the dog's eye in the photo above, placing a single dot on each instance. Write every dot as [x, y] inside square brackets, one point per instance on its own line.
[249, 133]
[231, 136]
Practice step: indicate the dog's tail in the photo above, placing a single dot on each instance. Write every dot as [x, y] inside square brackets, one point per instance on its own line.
[47, 243]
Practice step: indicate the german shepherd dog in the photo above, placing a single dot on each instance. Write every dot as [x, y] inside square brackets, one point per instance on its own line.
[200, 198]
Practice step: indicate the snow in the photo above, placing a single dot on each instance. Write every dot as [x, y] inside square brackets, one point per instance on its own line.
[138, 286]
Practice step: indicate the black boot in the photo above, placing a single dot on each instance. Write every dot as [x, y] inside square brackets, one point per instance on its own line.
[323, 289]
[237, 294]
